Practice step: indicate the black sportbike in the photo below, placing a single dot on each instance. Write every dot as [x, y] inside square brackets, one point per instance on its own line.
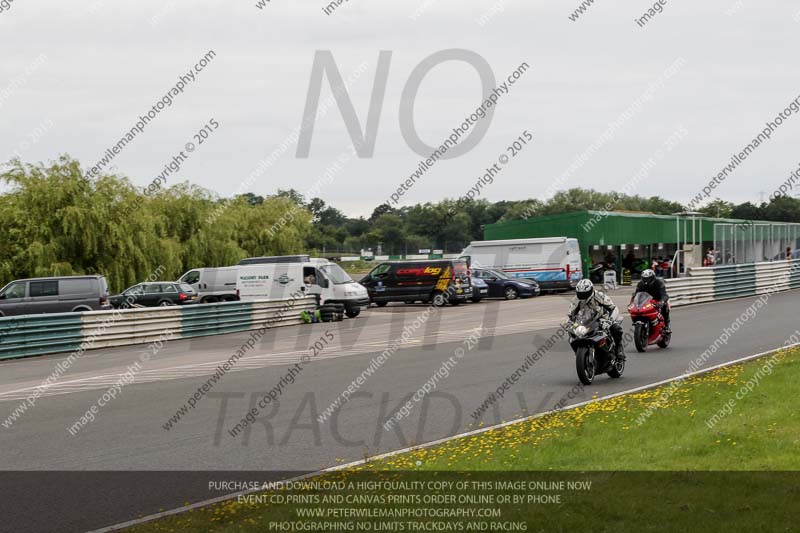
[594, 346]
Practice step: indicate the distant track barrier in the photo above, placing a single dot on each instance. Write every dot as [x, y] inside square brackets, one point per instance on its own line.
[724, 282]
[28, 335]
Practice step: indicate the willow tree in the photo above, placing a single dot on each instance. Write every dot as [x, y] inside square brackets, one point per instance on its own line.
[54, 222]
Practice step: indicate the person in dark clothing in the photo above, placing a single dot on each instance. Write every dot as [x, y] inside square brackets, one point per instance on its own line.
[586, 296]
[629, 261]
[656, 288]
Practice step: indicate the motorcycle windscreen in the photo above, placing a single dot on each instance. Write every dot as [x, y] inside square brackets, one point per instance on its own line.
[585, 316]
[641, 299]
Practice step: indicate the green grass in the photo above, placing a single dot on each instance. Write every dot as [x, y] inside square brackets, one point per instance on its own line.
[671, 472]
[357, 269]
[761, 433]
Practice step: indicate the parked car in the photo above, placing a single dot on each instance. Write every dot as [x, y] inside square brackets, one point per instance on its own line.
[503, 286]
[426, 280]
[480, 289]
[54, 295]
[155, 294]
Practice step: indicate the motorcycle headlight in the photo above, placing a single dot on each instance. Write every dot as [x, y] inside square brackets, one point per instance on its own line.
[581, 330]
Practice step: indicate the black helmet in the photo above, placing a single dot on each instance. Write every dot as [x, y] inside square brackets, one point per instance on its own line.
[584, 290]
[648, 277]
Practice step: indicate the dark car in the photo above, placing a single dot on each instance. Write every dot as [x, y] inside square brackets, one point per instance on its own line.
[155, 294]
[63, 294]
[429, 280]
[480, 289]
[503, 286]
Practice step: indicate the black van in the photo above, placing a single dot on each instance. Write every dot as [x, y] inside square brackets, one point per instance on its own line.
[434, 280]
[54, 295]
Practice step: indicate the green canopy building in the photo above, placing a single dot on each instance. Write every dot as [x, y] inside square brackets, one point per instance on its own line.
[643, 236]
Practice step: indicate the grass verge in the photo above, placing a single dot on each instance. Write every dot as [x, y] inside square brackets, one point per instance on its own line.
[718, 452]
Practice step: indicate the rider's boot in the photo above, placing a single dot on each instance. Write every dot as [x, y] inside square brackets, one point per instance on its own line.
[620, 352]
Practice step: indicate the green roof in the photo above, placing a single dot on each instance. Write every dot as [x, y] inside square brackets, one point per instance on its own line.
[599, 227]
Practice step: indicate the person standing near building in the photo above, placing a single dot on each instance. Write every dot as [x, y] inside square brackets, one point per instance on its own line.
[709, 259]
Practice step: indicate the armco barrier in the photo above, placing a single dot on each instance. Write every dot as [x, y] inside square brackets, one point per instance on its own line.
[723, 282]
[29, 335]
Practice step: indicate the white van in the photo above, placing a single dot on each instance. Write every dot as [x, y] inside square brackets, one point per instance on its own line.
[320, 277]
[554, 262]
[213, 284]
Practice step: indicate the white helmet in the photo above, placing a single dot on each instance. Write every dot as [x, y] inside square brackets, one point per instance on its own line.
[584, 289]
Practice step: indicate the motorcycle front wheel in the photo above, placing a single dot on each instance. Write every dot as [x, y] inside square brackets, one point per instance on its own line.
[584, 364]
[640, 336]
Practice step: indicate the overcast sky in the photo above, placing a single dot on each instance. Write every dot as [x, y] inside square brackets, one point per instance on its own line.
[107, 62]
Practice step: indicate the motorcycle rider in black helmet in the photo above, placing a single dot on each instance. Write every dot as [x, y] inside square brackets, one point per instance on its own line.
[586, 295]
[656, 288]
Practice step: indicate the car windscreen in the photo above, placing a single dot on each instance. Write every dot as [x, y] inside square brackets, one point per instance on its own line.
[136, 289]
[499, 275]
[460, 268]
[336, 274]
[193, 276]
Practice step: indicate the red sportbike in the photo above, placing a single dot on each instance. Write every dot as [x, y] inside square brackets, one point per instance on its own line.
[648, 323]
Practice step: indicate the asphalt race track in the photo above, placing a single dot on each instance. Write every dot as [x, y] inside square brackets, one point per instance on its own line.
[128, 437]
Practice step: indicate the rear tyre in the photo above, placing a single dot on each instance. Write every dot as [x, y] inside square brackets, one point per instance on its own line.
[352, 313]
[584, 364]
[617, 370]
[511, 293]
[210, 300]
[640, 336]
[381, 304]
[165, 303]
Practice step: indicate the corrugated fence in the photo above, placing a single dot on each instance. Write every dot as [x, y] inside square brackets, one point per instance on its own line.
[733, 281]
[76, 332]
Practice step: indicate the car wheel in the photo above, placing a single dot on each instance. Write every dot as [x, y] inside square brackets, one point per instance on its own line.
[81, 309]
[381, 304]
[438, 299]
[210, 300]
[511, 293]
[476, 299]
[352, 313]
[165, 303]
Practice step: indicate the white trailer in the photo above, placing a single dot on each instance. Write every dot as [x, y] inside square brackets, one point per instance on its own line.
[554, 262]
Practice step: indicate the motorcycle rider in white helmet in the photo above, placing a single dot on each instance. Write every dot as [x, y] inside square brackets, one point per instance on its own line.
[587, 296]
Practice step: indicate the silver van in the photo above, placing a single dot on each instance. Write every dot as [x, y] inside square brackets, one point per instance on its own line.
[213, 284]
[54, 295]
